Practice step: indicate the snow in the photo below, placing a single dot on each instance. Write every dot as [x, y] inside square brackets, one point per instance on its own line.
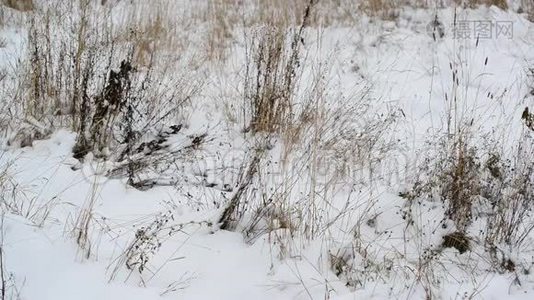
[402, 66]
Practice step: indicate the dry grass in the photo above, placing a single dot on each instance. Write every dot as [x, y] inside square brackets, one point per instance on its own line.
[19, 199]
[238, 204]
[73, 51]
[221, 23]
[453, 172]
[509, 188]
[59, 74]
[20, 5]
[98, 80]
[325, 143]
[502, 4]
[147, 240]
[270, 87]
[272, 72]
[461, 182]
[152, 27]
[527, 7]
[83, 224]
[384, 9]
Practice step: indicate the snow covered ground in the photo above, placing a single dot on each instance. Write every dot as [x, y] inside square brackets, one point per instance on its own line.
[165, 242]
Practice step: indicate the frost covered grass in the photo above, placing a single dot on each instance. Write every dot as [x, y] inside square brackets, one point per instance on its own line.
[266, 149]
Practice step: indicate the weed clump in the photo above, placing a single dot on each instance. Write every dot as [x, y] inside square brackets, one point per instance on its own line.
[272, 75]
[107, 106]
